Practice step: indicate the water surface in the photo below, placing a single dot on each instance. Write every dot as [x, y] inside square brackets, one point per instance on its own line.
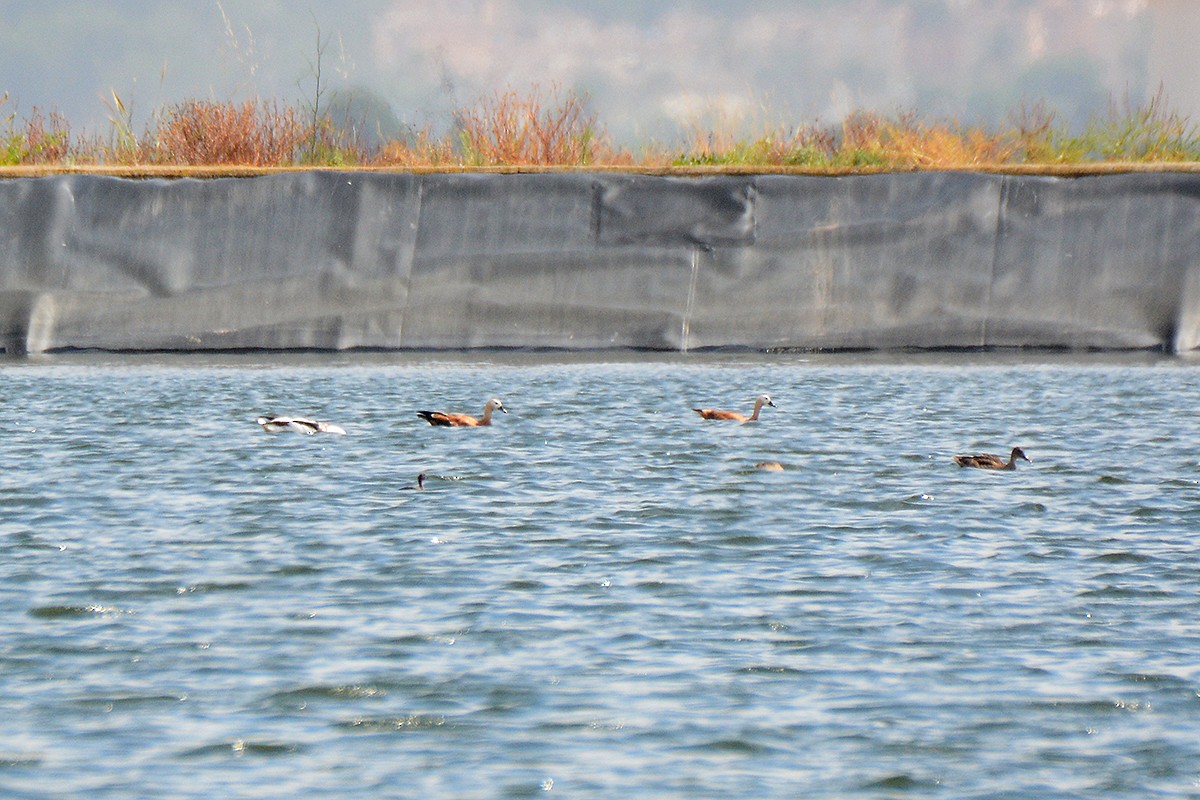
[599, 595]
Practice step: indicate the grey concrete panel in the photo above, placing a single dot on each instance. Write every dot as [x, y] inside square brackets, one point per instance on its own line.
[579, 300]
[1096, 262]
[872, 261]
[514, 261]
[487, 215]
[329, 260]
[313, 260]
[645, 210]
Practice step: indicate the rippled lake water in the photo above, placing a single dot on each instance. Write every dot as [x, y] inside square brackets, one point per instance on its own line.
[599, 596]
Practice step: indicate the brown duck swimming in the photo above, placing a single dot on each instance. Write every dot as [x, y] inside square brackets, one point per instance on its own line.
[759, 402]
[991, 461]
[769, 466]
[420, 484]
[448, 420]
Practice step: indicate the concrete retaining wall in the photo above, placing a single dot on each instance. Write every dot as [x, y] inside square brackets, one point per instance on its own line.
[334, 260]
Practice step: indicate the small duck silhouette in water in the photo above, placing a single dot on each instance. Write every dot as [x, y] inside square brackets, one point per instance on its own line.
[420, 485]
[992, 461]
[759, 402]
[274, 423]
[448, 420]
[769, 466]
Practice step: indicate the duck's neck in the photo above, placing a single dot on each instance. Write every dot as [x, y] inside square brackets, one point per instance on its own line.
[757, 408]
[487, 416]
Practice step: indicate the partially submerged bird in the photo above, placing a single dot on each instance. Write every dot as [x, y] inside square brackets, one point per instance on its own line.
[992, 461]
[420, 484]
[275, 423]
[448, 420]
[769, 466]
[759, 402]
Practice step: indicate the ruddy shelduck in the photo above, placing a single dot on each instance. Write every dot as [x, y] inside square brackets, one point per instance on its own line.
[448, 420]
[759, 402]
[769, 466]
[275, 423]
[992, 461]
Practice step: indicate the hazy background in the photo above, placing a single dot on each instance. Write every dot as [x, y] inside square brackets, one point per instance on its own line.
[651, 68]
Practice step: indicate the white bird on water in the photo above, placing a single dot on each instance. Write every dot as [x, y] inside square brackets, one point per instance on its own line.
[275, 423]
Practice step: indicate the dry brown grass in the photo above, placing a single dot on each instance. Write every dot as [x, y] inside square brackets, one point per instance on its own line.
[907, 142]
[250, 133]
[425, 149]
[553, 128]
[44, 138]
[508, 127]
[47, 137]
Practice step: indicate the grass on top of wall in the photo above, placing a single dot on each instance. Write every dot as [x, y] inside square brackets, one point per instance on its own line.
[554, 128]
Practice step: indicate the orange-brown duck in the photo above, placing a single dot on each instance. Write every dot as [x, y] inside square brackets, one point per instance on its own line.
[759, 402]
[448, 420]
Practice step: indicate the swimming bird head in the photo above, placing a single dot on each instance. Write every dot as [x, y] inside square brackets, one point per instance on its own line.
[495, 405]
[1019, 453]
[765, 400]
